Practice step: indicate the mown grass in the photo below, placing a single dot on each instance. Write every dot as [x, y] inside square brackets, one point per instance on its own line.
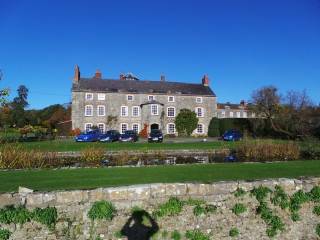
[88, 178]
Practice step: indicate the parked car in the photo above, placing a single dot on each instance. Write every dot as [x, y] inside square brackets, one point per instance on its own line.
[155, 136]
[90, 136]
[110, 136]
[232, 135]
[129, 136]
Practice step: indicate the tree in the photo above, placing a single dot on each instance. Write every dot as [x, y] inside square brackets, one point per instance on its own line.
[213, 130]
[18, 106]
[4, 93]
[292, 116]
[186, 122]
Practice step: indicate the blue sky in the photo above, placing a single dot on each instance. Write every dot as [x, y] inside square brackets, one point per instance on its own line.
[241, 44]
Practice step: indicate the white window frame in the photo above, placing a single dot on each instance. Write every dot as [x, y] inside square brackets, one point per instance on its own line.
[238, 114]
[137, 125]
[168, 128]
[103, 128]
[133, 107]
[244, 114]
[197, 129]
[202, 112]
[174, 111]
[123, 124]
[157, 107]
[231, 114]
[199, 100]
[101, 96]
[89, 94]
[85, 127]
[85, 110]
[126, 111]
[151, 96]
[129, 95]
[104, 111]
[173, 98]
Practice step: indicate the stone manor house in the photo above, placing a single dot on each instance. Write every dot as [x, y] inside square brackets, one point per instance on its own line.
[129, 103]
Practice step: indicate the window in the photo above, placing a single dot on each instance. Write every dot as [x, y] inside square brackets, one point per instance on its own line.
[171, 112]
[171, 99]
[135, 111]
[88, 111]
[101, 127]
[124, 127]
[171, 128]
[101, 96]
[238, 114]
[130, 97]
[135, 127]
[124, 111]
[101, 110]
[89, 96]
[223, 114]
[151, 98]
[200, 129]
[154, 109]
[231, 114]
[199, 112]
[199, 100]
[244, 114]
[88, 127]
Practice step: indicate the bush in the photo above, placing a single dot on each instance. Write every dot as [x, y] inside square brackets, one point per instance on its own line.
[172, 207]
[175, 235]
[213, 129]
[196, 235]
[186, 121]
[318, 230]
[267, 151]
[316, 210]
[280, 198]
[234, 232]
[46, 216]
[92, 154]
[260, 192]
[239, 192]
[75, 132]
[4, 234]
[239, 208]
[102, 210]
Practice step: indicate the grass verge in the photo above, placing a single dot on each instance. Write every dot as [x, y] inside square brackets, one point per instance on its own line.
[88, 178]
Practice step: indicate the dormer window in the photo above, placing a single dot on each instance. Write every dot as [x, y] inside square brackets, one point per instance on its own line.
[89, 96]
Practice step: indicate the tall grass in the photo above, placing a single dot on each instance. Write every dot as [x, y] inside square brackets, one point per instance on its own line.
[92, 154]
[267, 151]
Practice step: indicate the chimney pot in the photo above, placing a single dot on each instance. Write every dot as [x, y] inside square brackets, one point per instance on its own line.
[76, 77]
[205, 80]
[98, 74]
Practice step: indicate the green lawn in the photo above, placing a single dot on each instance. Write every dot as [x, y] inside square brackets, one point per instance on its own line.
[86, 178]
[69, 145]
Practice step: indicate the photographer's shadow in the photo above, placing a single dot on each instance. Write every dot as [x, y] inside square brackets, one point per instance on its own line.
[140, 226]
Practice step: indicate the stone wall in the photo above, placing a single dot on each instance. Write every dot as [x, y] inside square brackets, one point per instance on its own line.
[73, 207]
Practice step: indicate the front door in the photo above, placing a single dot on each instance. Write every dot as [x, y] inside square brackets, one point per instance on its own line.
[154, 126]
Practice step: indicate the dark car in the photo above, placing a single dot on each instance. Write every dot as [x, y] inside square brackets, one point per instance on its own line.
[90, 136]
[110, 136]
[232, 135]
[155, 136]
[129, 136]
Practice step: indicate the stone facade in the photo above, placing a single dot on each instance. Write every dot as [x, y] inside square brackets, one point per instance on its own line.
[73, 207]
[115, 99]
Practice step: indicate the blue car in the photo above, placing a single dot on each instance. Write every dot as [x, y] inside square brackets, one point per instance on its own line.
[90, 136]
[110, 136]
[129, 136]
[232, 135]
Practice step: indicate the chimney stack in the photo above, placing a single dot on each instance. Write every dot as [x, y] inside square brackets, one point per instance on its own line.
[205, 80]
[98, 74]
[121, 76]
[76, 77]
[162, 78]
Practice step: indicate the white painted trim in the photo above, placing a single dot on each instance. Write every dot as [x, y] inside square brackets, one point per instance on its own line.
[202, 111]
[138, 111]
[85, 126]
[170, 97]
[86, 96]
[202, 128]
[127, 111]
[201, 100]
[104, 110]
[154, 97]
[138, 127]
[174, 115]
[157, 109]
[168, 128]
[121, 127]
[104, 126]
[85, 111]
[101, 96]
[128, 97]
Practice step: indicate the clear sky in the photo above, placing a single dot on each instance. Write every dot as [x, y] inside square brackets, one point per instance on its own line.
[241, 44]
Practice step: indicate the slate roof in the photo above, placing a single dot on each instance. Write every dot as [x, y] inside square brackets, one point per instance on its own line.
[141, 86]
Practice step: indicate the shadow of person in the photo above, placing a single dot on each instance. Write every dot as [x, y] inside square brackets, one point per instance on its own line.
[140, 226]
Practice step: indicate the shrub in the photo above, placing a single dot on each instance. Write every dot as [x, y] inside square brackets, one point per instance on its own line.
[175, 235]
[102, 210]
[75, 132]
[314, 194]
[11, 214]
[318, 230]
[92, 154]
[213, 129]
[4, 234]
[239, 208]
[194, 202]
[316, 210]
[234, 232]
[260, 193]
[186, 121]
[47, 216]
[297, 199]
[196, 235]
[267, 151]
[172, 207]
[280, 198]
